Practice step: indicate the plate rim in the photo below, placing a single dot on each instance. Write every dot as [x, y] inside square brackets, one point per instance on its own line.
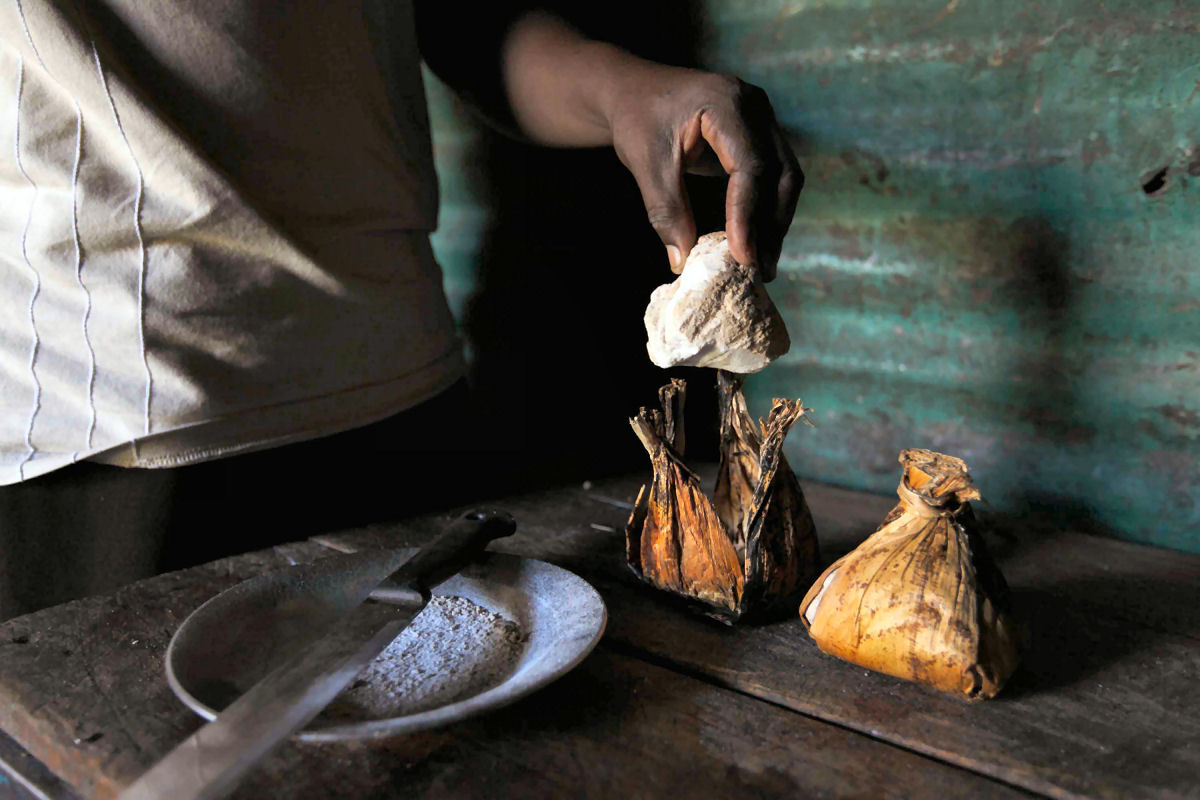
[489, 700]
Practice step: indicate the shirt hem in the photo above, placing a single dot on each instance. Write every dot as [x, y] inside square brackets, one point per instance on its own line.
[303, 420]
[264, 427]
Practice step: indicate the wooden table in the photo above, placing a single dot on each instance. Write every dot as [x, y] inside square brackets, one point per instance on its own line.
[1105, 703]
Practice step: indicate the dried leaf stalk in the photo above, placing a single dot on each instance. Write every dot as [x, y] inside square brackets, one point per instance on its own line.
[920, 598]
[753, 547]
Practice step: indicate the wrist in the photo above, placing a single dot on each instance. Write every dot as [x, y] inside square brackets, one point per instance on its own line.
[557, 82]
[617, 77]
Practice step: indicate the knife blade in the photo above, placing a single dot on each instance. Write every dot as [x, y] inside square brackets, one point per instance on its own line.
[211, 762]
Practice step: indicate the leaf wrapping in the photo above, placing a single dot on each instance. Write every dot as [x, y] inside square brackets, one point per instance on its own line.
[750, 549]
[920, 598]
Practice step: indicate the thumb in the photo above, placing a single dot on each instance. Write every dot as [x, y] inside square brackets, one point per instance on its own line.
[669, 210]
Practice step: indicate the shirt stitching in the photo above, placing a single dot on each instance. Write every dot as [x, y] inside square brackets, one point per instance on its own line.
[37, 279]
[87, 295]
[137, 230]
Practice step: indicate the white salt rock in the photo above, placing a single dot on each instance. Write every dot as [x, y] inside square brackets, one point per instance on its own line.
[715, 314]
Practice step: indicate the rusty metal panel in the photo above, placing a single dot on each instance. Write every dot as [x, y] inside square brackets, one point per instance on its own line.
[996, 252]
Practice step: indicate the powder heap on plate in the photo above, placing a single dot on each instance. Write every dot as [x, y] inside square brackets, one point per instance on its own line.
[452, 650]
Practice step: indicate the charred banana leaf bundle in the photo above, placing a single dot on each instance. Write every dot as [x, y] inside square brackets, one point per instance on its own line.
[752, 548]
[920, 598]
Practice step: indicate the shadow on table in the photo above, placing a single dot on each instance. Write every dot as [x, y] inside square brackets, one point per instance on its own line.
[1065, 642]
[1081, 616]
[610, 710]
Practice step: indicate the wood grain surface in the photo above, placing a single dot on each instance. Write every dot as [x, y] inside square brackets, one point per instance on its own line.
[1103, 704]
[82, 685]
[618, 727]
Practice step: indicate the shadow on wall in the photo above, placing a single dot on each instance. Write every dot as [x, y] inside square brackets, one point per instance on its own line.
[1047, 395]
[565, 270]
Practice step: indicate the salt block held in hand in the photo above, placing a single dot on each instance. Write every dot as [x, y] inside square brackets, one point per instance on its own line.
[716, 314]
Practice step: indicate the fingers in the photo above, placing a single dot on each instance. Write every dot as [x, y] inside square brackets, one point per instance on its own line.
[660, 180]
[699, 158]
[741, 202]
[726, 131]
[764, 177]
[787, 194]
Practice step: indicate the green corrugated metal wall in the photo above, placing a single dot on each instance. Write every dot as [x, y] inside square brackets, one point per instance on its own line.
[996, 253]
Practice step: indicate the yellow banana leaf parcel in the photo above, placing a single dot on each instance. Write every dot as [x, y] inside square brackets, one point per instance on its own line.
[920, 599]
[752, 547]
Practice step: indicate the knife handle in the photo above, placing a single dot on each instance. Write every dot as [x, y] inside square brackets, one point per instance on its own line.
[460, 543]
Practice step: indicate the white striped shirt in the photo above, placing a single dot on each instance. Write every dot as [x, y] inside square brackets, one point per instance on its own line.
[214, 224]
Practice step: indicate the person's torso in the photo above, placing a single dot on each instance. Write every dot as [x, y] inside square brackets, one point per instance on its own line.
[213, 227]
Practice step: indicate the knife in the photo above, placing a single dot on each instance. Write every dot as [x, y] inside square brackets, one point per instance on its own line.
[213, 760]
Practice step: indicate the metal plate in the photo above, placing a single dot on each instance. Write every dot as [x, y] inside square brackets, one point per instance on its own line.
[234, 639]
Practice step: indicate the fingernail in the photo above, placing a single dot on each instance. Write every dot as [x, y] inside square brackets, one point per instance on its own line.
[675, 257]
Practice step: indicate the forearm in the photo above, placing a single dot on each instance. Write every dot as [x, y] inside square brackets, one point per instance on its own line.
[528, 71]
[535, 75]
[560, 85]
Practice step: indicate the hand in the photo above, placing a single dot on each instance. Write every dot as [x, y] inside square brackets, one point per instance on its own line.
[565, 90]
[667, 121]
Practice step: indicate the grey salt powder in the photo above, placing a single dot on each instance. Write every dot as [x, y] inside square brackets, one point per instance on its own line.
[452, 650]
